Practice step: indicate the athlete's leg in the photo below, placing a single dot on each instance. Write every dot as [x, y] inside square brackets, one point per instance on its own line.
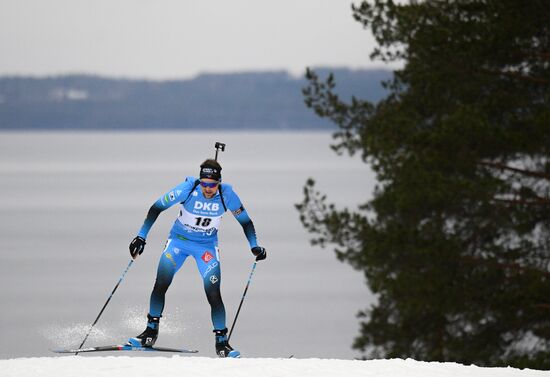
[170, 262]
[213, 294]
[208, 262]
[207, 258]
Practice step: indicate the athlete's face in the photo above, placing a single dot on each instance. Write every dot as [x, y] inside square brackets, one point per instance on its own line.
[209, 187]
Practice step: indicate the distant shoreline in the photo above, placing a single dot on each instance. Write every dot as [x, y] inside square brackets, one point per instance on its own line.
[271, 100]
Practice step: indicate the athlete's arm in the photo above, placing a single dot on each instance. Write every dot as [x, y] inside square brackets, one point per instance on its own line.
[236, 207]
[248, 226]
[177, 195]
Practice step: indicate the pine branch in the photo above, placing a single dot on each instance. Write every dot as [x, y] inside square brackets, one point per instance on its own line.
[503, 266]
[529, 173]
[516, 75]
[534, 202]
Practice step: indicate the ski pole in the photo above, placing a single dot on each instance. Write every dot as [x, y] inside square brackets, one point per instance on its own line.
[242, 300]
[104, 306]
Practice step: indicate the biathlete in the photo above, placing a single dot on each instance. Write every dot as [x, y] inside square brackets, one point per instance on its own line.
[202, 203]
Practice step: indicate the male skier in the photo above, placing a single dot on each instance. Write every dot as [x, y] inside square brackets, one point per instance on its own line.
[195, 233]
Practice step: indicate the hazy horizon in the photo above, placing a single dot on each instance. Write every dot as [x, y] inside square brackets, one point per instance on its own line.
[176, 39]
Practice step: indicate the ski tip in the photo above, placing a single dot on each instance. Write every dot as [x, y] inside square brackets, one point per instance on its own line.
[88, 349]
[64, 350]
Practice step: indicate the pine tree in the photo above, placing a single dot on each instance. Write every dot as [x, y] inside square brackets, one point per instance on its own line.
[455, 241]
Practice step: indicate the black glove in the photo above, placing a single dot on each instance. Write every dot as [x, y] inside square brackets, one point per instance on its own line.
[259, 252]
[137, 246]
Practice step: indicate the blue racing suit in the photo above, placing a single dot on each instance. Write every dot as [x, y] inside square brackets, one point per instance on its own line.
[195, 234]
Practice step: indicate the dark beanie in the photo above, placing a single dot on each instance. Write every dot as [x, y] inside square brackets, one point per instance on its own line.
[211, 169]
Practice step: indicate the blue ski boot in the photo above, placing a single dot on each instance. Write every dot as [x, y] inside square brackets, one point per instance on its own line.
[223, 349]
[149, 336]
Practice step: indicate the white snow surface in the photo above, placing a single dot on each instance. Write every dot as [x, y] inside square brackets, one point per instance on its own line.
[86, 366]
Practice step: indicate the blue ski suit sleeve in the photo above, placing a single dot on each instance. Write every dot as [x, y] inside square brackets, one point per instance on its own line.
[236, 207]
[174, 196]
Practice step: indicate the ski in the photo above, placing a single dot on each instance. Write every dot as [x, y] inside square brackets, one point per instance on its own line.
[124, 347]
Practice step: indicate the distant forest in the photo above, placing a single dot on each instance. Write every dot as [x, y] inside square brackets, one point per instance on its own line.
[249, 100]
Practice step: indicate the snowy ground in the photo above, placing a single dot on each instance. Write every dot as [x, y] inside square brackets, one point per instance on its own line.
[84, 366]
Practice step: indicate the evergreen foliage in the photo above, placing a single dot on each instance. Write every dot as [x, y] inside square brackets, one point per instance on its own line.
[455, 241]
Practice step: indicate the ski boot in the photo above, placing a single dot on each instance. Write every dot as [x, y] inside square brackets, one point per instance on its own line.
[223, 349]
[149, 336]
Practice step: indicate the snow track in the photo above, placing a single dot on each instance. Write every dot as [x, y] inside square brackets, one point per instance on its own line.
[85, 366]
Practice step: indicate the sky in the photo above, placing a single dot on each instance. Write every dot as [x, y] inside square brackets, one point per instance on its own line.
[168, 39]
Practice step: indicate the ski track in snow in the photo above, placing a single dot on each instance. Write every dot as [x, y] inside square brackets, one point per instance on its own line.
[85, 366]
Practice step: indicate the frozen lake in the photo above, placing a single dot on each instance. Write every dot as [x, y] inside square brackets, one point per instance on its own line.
[71, 202]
